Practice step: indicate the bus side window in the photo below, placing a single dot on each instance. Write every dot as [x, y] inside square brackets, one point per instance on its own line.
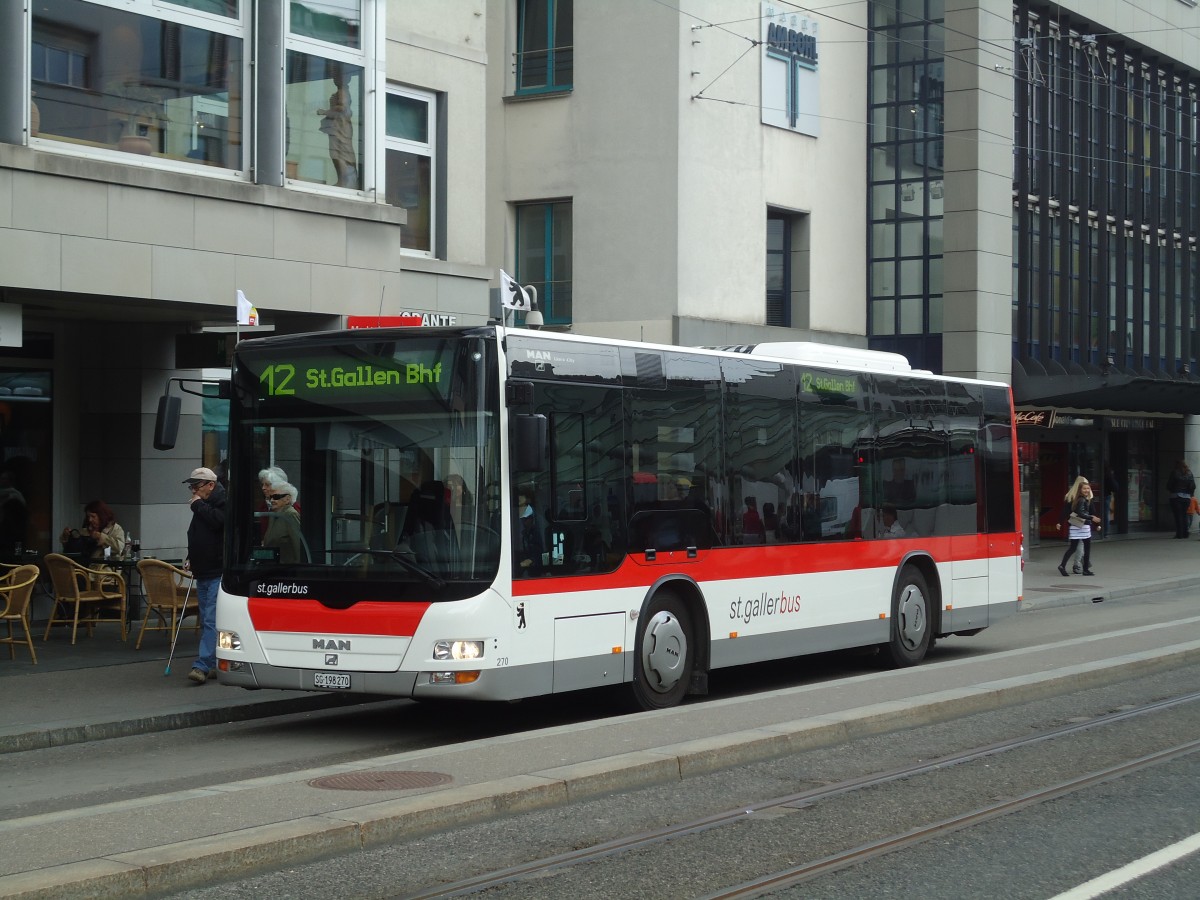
[579, 498]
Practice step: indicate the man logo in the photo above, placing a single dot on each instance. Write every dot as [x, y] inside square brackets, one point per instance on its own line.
[331, 659]
[330, 644]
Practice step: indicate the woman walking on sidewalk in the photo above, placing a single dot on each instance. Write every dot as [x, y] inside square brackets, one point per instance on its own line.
[1080, 518]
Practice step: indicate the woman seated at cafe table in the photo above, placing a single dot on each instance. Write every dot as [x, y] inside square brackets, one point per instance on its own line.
[98, 533]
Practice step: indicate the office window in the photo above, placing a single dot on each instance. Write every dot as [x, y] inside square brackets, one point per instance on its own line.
[227, 8]
[60, 59]
[411, 130]
[545, 55]
[148, 79]
[544, 257]
[779, 270]
[327, 116]
[906, 190]
[324, 137]
[331, 21]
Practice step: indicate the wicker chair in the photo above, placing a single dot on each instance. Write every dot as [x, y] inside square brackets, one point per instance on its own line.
[169, 597]
[16, 589]
[80, 589]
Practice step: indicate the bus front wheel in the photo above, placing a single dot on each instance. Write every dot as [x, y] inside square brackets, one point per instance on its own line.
[665, 656]
[910, 633]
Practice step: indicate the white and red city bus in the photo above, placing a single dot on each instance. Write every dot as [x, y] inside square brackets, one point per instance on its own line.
[490, 513]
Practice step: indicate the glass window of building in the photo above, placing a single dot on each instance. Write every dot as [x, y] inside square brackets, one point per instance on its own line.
[411, 130]
[331, 21]
[326, 118]
[1103, 260]
[779, 270]
[324, 121]
[544, 257]
[906, 146]
[545, 55]
[162, 80]
[227, 8]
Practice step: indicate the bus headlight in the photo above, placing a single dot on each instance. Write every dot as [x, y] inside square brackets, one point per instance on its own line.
[458, 650]
[229, 640]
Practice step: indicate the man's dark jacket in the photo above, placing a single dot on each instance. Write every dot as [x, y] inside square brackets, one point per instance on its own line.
[206, 534]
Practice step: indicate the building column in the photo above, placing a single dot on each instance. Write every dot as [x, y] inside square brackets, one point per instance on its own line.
[14, 81]
[1191, 443]
[270, 124]
[977, 227]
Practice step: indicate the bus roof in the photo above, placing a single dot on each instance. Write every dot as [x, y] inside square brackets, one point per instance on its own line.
[826, 354]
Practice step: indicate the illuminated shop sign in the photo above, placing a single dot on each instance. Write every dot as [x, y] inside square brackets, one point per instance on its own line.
[404, 320]
[1035, 418]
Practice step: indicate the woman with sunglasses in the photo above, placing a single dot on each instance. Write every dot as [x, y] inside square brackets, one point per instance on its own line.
[283, 523]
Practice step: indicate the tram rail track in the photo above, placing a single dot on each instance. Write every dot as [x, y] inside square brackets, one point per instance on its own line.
[797, 874]
[860, 853]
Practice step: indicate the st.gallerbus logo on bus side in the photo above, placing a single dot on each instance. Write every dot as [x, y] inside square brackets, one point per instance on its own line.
[281, 588]
[760, 606]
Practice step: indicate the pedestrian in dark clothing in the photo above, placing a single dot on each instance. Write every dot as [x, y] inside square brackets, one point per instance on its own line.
[1181, 485]
[1080, 517]
[206, 545]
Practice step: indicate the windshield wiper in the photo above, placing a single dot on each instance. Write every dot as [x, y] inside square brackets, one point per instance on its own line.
[416, 568]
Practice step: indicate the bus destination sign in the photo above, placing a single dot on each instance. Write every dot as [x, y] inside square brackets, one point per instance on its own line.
[317, 378]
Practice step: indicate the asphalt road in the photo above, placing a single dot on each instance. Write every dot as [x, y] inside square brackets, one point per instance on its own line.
[1037, 853]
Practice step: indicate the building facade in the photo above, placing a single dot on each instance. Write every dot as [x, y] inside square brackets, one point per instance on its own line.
[996, 190]
[1104, 289]
[326, 159]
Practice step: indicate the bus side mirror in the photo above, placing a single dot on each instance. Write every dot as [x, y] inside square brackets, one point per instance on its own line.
[166, 423]
[530, 434]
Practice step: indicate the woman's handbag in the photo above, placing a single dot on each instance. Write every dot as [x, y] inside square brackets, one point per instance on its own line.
[1075, 519]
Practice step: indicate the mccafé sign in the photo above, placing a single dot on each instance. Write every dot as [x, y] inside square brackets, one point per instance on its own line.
[1035, 418]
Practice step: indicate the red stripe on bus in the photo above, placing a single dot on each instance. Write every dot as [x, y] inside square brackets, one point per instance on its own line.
[367, 617]
[732, 563]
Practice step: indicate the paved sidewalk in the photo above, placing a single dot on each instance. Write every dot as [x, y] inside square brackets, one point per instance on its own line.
[1123, 567]
[168, 842]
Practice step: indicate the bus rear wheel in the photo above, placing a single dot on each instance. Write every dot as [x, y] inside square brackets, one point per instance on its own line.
[910, 633]
[664, 655]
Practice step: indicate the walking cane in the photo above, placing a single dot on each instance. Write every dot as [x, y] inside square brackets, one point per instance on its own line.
[179, 627]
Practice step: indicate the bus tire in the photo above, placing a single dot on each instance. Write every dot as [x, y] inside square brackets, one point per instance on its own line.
[665, 655]
[911, 634]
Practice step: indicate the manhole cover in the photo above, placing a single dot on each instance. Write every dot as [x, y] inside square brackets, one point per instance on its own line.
[380, 781]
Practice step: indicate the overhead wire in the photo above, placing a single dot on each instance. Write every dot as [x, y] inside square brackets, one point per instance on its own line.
[1071, 79]
[1006, 45]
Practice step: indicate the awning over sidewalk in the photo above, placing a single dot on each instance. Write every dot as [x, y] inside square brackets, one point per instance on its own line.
[1090, 387]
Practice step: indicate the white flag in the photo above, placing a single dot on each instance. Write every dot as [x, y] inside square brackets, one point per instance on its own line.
[246, 313]
[512, 295]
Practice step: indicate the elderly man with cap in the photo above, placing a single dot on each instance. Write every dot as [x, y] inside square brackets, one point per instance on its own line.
[205, 549]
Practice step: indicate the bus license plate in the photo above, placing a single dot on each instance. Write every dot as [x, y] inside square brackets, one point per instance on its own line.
[335, 680]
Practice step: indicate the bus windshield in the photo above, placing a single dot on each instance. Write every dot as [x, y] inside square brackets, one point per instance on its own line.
[364, 467]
